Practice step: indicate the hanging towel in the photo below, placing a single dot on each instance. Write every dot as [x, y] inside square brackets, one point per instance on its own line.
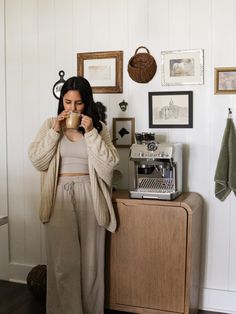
[225, 175]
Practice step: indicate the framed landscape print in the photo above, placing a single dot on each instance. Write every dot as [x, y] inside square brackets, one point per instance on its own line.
[103, 70]
[225, 80]
[182, 67]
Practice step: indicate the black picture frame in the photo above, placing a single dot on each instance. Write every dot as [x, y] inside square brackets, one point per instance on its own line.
[172, 109]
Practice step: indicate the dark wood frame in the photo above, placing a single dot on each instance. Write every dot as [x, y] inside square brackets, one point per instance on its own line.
[217, 73]
[117, 55]
[114, 127]
[189, 124]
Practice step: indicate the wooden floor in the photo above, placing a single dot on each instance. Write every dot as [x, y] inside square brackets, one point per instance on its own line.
[15, 298]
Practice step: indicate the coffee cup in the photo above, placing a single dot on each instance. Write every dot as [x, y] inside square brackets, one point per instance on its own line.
[72, 120]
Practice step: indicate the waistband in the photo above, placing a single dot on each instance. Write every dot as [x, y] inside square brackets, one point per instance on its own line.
[74, 179]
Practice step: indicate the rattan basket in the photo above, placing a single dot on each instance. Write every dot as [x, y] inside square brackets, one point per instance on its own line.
[142, 66]
[37, 281]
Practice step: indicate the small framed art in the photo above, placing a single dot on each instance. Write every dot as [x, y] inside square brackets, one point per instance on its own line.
[171, 109]
[225, 80]
[103, 70]
[182, 67]
[123, 131]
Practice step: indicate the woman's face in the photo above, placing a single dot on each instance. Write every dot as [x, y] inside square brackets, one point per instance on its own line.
[72, 101]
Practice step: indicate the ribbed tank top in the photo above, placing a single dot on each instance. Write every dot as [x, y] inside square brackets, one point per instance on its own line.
[74, 156]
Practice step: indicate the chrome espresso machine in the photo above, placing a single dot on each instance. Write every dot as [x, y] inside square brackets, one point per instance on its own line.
[158, 168]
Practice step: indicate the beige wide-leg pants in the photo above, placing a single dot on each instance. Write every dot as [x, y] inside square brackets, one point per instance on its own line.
[75, 251]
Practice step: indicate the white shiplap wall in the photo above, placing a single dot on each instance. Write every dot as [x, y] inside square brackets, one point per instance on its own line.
[4, 243]
[43, 37]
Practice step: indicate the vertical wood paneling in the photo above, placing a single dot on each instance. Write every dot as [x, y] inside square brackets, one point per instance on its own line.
[15, 110]
[63, 32]
[179, 21]
[118, 40]
[199, 137]
[3, 156]
[100, 27]
[48, 68]
[232, 244]
[179, 34]
[30, 85]
[218, 259]
[137, 36]
[47, 75]
[4, 242]
[81, 29]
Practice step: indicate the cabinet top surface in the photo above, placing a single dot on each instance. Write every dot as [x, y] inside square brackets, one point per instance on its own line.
[188, 200]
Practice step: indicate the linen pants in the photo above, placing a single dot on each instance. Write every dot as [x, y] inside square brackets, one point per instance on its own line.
[75, 251]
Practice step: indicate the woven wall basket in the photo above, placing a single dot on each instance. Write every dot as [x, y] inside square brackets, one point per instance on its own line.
[142, 66]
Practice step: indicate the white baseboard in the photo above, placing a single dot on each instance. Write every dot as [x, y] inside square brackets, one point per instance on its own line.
[19, 272]
[218, 300]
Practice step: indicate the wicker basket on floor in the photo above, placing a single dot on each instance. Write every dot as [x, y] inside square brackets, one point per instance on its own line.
[142, 66]
[37, 281]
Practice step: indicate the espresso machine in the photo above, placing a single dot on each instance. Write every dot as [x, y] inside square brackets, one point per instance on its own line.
[158, 168]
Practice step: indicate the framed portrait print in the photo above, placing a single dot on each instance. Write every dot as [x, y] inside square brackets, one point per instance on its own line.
[171, 109]
[103, 70]
[182, 67]
[123, 132]
[225, 80]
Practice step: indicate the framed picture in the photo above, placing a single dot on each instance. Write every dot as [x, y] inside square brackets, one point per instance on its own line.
[123, 132]
[171, 109]
[103, 70]
[225, 80]
[182, 67]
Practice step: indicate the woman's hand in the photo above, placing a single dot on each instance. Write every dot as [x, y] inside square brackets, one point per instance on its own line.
[60, 118]
[86, 123]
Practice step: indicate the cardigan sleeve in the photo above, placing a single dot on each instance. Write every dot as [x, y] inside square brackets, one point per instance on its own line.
[102, 153]
[44, 147]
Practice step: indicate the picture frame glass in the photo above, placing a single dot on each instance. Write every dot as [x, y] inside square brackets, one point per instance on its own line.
[182, 67]
[170, 109]
[225, 80]
[100, 72]
[103, 70]
[123, 132]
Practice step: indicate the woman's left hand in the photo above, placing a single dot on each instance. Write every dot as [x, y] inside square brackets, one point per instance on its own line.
[86, 123]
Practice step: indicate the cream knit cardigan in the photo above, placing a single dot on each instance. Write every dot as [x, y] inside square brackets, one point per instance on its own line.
[44, 154]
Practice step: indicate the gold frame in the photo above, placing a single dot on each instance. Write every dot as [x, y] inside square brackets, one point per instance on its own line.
[117, 55]
[217, 88]
[117, 138]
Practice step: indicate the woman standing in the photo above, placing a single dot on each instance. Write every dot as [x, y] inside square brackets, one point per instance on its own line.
[76, 168]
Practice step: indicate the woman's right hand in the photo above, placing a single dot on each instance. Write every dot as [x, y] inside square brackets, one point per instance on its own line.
[59, 120]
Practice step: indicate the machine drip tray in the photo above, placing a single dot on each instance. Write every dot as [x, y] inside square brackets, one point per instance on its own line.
[154, 195]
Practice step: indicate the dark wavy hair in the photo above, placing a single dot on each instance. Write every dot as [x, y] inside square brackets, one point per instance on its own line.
[81, 85]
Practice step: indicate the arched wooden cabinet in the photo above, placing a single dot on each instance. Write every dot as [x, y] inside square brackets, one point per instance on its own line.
[153, 259]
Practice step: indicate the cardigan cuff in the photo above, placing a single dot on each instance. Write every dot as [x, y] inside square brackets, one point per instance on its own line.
[91, 133]
[53, 134]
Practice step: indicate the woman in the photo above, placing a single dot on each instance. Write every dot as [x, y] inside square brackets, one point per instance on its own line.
[76, 168]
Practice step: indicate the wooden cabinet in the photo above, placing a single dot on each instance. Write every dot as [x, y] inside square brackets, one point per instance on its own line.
[153, 259]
